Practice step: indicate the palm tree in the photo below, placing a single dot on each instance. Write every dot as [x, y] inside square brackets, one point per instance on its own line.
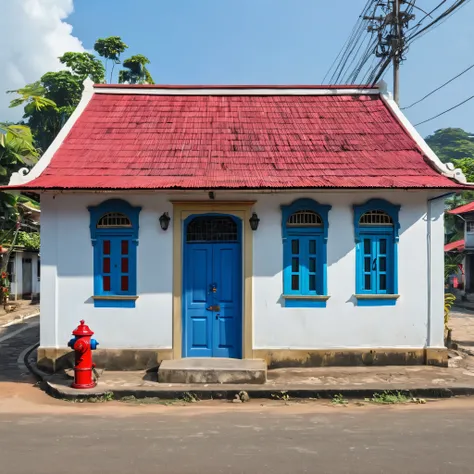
[16, 151]
[136, 72]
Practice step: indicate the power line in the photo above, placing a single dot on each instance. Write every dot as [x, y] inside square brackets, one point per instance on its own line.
[442, 16]
[426, 16]
[436, 22]
[353, 43]
[440, 87]
[446, 111]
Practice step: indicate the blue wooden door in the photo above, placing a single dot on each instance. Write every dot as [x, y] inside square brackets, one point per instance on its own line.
[198, 320]
[226, 295]
[212, 314]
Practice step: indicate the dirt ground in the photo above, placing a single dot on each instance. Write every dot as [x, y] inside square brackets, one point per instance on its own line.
[24, 398]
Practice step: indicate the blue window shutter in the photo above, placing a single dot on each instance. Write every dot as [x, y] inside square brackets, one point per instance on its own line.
[115, 249]
[377, 244]
[304, 270]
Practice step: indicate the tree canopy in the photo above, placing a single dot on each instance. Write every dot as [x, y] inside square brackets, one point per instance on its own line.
[452, 144]
[50, 101]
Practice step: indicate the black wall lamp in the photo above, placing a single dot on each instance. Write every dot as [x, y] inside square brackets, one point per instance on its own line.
[165, 221]
[254, 221]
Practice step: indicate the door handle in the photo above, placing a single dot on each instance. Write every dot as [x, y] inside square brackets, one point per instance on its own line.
[374, 264]
[214, 308]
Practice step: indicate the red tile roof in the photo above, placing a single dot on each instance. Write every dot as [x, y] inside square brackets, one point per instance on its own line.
[469, 207]
[134, 140]
[458, 245]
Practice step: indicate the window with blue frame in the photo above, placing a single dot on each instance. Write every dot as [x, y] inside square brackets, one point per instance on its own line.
[376, 233]
[305, 234]
[114, 233]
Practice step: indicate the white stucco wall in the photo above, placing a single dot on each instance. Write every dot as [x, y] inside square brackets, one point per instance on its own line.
[66, 280]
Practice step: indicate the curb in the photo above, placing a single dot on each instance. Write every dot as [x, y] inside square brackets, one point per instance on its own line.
[209, 393]
[455, 345]
[219, 392]
[20, 320]
[41, 376]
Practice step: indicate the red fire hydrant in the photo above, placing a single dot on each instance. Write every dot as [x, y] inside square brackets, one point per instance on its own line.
[83, 345]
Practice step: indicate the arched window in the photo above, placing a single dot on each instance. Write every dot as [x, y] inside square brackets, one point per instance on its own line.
[114, 234]
[114, 220]
[305, 232]
[376, 233]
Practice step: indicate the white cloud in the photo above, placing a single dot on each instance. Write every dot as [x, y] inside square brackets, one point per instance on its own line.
[33, 34]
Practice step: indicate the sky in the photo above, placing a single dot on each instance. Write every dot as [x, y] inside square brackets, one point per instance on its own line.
[235, 42]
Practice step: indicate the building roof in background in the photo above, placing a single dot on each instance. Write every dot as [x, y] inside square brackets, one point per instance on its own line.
[469, 207]
[457, 246]
[241, 137]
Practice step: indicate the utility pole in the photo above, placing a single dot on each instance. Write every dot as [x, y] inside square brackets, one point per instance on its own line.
[389, 26]
[396, 50]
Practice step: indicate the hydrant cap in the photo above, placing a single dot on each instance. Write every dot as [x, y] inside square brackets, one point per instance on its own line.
[82, 330]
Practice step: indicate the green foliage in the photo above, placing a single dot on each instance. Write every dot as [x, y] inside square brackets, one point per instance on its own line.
[339, 400]
[85, 65]
[452, 260]
[452, 144]
[32, 96]
[16, 149]
[29, 240]
[136, 72]
[449, 300]
[388, 398]
[62, 92]
[110, 49]
[283, 395]
[49, 102]
[454, 225]
[466, 165]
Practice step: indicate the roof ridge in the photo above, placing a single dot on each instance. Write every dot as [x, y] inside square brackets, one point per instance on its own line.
[238, 86]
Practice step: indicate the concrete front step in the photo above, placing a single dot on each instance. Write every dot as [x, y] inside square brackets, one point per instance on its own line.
[213, 370]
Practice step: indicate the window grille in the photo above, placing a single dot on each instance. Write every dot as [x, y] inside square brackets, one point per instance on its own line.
[470, 227]
[304, 219]
[212, 229]
[375, 218]
[113, 220]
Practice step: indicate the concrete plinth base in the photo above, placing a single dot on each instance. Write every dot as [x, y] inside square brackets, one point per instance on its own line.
[213, 370]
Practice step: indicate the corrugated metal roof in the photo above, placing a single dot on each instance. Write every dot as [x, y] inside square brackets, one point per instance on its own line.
[458, 245]
[469, 207]
[149, 141]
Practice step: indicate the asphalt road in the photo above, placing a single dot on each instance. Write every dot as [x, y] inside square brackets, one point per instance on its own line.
[112, 438]
[41, 435]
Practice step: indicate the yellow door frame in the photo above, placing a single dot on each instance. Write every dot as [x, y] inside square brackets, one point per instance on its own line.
[181, 211]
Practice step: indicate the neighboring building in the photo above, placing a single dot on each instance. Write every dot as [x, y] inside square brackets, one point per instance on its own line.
[24, 274]
[302, 225]
[466, 245]
[24, 262]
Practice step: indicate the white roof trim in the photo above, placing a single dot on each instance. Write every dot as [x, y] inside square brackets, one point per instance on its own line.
[447, 169]
[24, 176]
[240, 91]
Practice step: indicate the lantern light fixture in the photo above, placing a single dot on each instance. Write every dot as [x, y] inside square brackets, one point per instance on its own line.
[165, 221]
[254, 221]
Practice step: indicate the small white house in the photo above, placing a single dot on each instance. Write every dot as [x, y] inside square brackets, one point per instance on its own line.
[302, 225]
[24, 275]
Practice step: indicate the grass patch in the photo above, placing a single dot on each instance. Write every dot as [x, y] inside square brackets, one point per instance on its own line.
[281, 396]
[189, 397]
[339, 400]
[389, 398]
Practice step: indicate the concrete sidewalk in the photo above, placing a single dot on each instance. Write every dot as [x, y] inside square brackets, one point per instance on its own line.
[462, 324]
[420, 381]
